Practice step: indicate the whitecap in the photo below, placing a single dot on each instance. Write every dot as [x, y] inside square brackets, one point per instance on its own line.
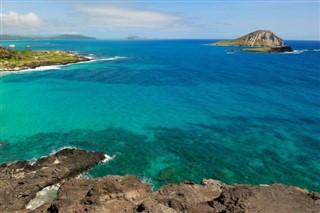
[84, 176]
[295, 52]
[37, 69]
[112, 58]
[107, 158]
[53, 152]
[147, 181]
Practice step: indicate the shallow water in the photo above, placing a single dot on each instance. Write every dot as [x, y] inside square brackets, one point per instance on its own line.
[172, 110]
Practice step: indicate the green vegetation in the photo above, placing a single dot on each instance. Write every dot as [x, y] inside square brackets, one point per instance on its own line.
[263, 41]
[24, 59]
[259, 38]
[243, 41]
[258, 49]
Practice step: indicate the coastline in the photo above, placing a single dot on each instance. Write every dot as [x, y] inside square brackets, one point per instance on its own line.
[54, 184]
[26, 60]
[44, 67]
[89, 59]
[82, 59]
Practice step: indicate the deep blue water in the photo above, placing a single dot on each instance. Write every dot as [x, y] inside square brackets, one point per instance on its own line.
[172, 110]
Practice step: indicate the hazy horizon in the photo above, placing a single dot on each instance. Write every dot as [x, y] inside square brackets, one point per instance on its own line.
[290, 20]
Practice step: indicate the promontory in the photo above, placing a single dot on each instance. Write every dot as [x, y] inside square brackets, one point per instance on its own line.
[16, 60]
[258, 41]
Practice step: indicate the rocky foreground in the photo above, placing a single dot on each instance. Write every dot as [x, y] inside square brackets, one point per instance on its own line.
[20, 182]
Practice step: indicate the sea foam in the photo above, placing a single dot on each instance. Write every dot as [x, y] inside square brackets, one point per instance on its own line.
[297, 52]
[107, 158]
[57, 67]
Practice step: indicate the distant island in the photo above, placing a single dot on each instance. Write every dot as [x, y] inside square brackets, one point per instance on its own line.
[57, 37]
[134, 38]
[16, 60]
[258, 41]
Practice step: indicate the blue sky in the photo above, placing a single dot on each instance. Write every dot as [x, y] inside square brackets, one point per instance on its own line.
[162, 18]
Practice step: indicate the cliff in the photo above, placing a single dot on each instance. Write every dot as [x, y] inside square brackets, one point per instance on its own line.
[23, 184]
[257, 38]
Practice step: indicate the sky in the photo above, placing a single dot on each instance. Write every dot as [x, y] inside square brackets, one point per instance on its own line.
[202, 19]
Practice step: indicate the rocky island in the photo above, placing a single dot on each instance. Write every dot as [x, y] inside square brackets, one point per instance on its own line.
[258, 41]
[16, 60]
[25, 185]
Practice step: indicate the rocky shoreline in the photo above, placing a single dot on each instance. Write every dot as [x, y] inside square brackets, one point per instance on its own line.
[16, 69]
[22, 182]
[17, 60]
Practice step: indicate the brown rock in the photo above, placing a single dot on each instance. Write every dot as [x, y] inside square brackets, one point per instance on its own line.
[150, 206]
[183, 196]
[264, 198]
[264, 38]
[21, 181]
[108, 194]
[111, 194]
[128, 194]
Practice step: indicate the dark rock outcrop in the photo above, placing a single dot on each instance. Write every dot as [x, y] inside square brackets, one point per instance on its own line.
[268, 49]
[282, 49]
[20, 181]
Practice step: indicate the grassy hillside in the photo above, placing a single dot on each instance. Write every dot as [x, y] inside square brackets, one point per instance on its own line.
[24, 59]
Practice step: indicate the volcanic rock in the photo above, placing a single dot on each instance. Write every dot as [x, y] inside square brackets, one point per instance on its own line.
[128, 194]
[20, 181]
[258, 38]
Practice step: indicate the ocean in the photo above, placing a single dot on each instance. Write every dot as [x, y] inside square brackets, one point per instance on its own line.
[171, 110]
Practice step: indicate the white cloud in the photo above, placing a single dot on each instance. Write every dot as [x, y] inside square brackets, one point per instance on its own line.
[13, 22]
[17, 20]
[123, 17]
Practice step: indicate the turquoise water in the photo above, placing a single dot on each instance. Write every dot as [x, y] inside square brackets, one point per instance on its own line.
[172, 110]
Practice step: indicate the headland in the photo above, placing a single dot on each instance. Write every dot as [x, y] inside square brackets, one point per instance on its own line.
[17, 60]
